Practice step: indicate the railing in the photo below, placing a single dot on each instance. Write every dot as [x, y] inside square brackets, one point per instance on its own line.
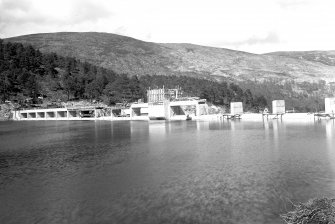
[37, 108]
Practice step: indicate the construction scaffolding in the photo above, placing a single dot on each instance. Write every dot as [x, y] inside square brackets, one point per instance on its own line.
[159, 95]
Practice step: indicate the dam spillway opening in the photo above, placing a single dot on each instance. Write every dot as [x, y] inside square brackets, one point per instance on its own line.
[177, 110]
[136, 111]
[72, 113]
[62, 114]
[40, 115]
[50, 114]
[24, 115]
[32, 115]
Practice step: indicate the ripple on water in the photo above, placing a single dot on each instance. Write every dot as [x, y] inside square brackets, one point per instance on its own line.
[178, 172]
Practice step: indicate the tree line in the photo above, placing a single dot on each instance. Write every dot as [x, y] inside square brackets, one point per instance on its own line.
[298, 96]
[26, 73]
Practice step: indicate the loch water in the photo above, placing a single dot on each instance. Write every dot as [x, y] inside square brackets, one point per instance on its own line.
[162, 172]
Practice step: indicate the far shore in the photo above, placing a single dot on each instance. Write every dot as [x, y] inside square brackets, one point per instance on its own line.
[257, 117]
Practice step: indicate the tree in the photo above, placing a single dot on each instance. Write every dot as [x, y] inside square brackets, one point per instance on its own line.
[95, 88]
[5, 85]
[237, 92]
[135, 88]
[68, 84]
[248, 99]
[260, 102]
[119, 91]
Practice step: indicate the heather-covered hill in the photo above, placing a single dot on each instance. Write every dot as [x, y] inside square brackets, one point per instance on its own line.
[127, 55]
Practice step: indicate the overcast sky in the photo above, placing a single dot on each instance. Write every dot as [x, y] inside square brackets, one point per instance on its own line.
[249, 25]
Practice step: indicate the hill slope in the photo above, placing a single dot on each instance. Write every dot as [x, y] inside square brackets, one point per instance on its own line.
[324, 57]
[135, 57]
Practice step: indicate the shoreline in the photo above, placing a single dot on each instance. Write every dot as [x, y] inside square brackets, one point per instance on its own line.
[219, 117]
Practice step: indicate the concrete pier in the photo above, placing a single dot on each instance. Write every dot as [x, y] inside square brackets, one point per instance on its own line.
[278, 107]
[330, 106]
[236, 108]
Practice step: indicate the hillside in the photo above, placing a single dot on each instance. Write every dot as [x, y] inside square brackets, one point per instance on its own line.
[127, 55]
[29, 77]
[324, 57]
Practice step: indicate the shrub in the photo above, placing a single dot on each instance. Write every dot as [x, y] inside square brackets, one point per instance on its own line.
[314, 211]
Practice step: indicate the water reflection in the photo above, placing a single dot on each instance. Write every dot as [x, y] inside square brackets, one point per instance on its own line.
[330, 129]
[330, 133]
[275, 128]
[157, 130]
[150, 172]
[202, 125]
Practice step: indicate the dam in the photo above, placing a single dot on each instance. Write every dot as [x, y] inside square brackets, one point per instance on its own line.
[167, 110]
[58, 114]
[166, 104]
[163, 104]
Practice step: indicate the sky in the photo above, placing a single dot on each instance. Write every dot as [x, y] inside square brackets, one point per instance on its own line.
[256, 26]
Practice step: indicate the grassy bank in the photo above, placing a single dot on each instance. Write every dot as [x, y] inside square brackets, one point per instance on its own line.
[314, 211]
